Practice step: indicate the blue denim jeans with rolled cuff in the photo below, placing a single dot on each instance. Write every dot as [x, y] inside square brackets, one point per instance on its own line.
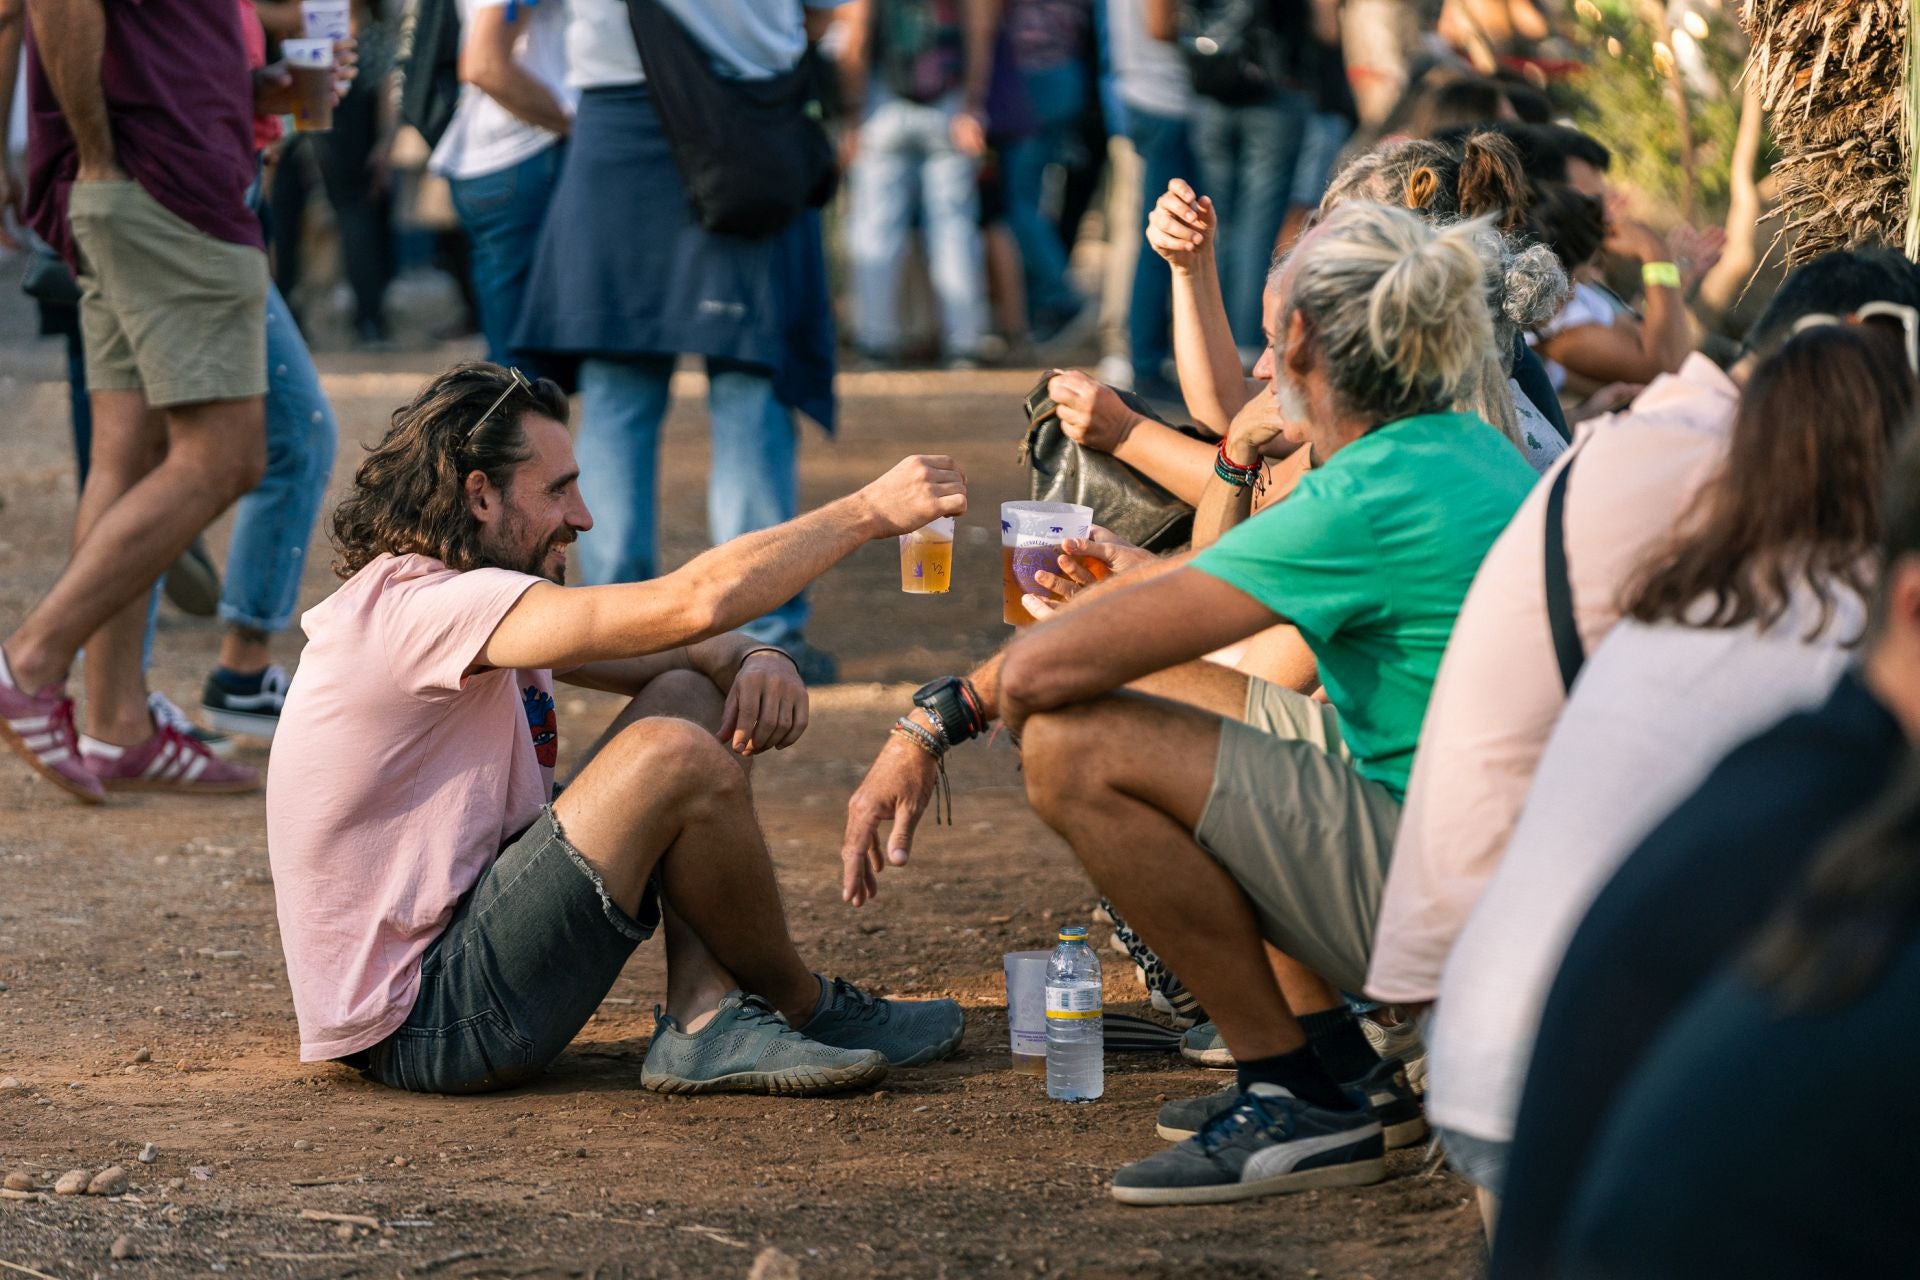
[752, 482]
[529, 954]
[1246, 155]
[502, 213]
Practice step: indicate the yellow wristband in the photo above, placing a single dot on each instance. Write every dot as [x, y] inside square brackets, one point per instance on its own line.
[1660, 273]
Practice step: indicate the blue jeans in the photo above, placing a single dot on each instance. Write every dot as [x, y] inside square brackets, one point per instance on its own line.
[1059, 95]
[273, 524]
[1161, 143]
[1319, 151]
[1246, 156]
[501, 214]
[752, 483]
[906, 148]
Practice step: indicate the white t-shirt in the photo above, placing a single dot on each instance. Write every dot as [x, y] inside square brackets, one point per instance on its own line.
[1586, 305]
[1655, 708]
[1149, 75]
[747, 39]
[484, 137]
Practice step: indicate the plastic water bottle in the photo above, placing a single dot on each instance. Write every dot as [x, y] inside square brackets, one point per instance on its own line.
[1075, 1041]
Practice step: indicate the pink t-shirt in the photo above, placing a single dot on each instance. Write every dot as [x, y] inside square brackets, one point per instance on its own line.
[395, 780]
[1499, 691]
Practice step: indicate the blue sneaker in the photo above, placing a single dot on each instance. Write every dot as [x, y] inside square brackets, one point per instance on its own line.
[908, 1032]
[1267, 1142]
[1394, 1104]
[748, 1047]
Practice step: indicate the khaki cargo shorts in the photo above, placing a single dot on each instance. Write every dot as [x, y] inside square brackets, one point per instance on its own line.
[166, 308]
[1304, 835]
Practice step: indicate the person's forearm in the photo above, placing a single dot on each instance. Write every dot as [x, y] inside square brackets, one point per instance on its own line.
[280, 18]
[70, 36]
[13, 29]
[719, 658]
[1163, 20]
[1211, 378]
[523, 95]
[1221, 506]
[981, 18]
[851, 58]
[1666, 331]
[1178, 463]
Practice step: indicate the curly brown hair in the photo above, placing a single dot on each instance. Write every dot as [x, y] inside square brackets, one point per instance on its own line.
[409, 496]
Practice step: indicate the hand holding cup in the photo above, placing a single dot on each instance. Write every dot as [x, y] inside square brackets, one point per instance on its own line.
[915, 493]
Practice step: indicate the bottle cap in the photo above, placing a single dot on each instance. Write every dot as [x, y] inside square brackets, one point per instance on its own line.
[1074, 933]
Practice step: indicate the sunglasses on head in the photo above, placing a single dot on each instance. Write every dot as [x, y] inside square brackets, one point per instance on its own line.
[1888, 315]
[518, 381]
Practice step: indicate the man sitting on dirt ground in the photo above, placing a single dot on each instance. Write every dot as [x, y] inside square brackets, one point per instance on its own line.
[1212, 832]
[447, 929]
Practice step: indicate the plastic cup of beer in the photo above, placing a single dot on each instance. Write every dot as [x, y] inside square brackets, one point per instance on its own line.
[326, 19]
[926, 559]
[311, 62]
[1031, 535]
[1027, 1010]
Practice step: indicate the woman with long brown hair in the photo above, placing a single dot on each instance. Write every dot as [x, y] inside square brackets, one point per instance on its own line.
[1749, 613]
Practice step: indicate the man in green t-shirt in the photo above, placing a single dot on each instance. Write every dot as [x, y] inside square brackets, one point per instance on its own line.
[1216, 835]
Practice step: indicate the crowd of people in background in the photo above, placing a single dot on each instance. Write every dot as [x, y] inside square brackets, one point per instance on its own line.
[1519, 750]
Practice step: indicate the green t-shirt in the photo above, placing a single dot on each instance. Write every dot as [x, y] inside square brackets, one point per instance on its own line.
[1370, 557]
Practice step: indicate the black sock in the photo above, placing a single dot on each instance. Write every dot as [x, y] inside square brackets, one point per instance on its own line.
[1336, 1036]
[1300, 1073]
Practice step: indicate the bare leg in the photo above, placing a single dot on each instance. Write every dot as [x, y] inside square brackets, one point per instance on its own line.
[1124, 781]
[215, 453]
[665, 794]
[129, 442]
[1217, 690]
[245, 650]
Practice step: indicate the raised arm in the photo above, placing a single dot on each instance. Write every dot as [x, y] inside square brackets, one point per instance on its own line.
[1181, 228]
[487, 63]
[725, 587]
[70, 36]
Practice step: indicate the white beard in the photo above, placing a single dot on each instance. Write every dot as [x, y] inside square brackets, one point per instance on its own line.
[1293, 404]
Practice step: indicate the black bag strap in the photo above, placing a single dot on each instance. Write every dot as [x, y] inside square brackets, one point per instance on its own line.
[1567, 648]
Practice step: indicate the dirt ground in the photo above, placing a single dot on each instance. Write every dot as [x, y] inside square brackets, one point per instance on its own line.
[143, 998]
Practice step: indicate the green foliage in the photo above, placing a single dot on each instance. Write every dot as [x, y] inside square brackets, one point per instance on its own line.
[1624, 98]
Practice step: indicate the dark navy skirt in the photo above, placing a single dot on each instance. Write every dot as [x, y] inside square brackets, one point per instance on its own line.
[624, 270]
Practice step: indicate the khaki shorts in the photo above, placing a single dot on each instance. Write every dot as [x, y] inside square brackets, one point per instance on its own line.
[165, 308]
[1305, 836]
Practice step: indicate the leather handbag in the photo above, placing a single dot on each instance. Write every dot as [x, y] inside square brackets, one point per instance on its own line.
[751, 153]
[1123, 501]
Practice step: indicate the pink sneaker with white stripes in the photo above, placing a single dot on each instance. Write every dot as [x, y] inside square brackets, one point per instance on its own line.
[39, 727]
[168, 761]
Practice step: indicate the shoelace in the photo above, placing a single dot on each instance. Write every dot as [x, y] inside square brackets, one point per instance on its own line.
[1215, 1133]
[167, 713]
[61, 722]
[865, 1007]
[752, 1008]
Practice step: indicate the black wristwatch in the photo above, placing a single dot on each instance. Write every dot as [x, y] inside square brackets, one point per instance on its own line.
[946, 704]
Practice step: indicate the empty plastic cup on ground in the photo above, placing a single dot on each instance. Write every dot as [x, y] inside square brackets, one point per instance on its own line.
[1031, 534]
[311, 62]
[926, 558]
[1027, 1010]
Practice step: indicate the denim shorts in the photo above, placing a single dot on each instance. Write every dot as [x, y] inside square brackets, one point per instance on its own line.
[1481, 1161]
[531, 951]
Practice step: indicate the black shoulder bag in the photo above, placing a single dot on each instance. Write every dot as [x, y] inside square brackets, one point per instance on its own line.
[1123, 500]
[751, 153]
[1567, 647]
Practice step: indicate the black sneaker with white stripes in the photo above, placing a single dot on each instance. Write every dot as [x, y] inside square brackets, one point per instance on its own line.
[1268, 1141]
[1403, 1121]
[245, 704]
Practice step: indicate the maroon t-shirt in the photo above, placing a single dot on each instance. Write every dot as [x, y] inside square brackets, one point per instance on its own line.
[180, 102]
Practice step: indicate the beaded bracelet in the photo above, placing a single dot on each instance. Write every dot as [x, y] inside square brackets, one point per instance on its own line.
[942, 788]
[1238, 476]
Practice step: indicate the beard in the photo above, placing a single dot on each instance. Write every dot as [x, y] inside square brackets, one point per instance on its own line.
[1292, 401]
[514, 548]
